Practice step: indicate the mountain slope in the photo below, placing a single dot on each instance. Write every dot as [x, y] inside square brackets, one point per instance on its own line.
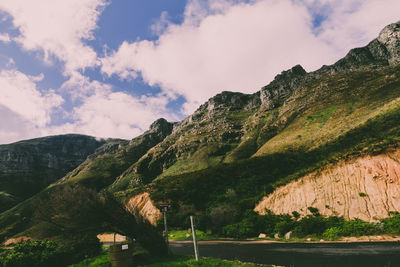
[252, 144]
[27, 167]
[297, 111]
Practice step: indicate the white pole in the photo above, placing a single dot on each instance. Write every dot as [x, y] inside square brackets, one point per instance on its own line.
[196, 248]
[165, 225]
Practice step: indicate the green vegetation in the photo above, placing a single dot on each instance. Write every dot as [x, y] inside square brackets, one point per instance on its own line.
[101, 260]
[314, 225]
[321, 116]
[49, 253]
[362, 194]
[171, 260]
[185, 234]
[392, 224]
[187, 261]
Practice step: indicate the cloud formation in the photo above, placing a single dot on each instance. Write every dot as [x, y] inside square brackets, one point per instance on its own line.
[115, 114]
[238, 46]
[5, 38]
[57, 28]
[24, 110]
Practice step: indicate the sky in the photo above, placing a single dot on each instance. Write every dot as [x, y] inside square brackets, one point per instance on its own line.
[109, 68]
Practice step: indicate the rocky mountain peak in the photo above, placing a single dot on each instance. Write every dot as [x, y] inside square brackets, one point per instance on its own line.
[381, 52]
[228, 99]
[162, 127]
[282, 87]
[390, 38]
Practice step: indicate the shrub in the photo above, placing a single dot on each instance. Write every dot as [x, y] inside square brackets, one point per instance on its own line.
[357, 227]
[333, 233]
[239, 230]
[310, 225]
[45, 253]
[392, 224]
[222, 215]
[37, 253]
[283, 227]
[314, 211]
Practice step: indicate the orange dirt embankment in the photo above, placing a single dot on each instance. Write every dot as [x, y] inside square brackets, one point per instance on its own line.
[366, 188]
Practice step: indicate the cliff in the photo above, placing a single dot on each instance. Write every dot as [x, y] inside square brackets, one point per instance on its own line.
[367, 188]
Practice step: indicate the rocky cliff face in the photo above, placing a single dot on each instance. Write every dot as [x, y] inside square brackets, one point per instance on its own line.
[26, 167]
[367, 188]
[143, 205]
[390, 38]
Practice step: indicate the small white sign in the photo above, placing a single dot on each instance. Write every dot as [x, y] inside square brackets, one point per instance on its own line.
[124, 247]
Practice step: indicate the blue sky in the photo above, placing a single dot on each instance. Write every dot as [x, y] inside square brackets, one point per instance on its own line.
[110, 68]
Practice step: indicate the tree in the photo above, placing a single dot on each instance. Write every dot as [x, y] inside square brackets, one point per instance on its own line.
[73, 210]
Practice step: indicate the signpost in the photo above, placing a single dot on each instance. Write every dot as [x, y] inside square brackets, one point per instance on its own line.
[164, 207]
[196, 248]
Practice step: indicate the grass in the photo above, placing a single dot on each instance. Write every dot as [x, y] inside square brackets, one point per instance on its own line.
[206, 156]
[188, 261]
[346, 102]
[103, 260]
[181, 235]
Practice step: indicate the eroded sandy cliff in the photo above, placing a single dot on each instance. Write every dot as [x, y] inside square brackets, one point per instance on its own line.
[366, 188]
[144, 206]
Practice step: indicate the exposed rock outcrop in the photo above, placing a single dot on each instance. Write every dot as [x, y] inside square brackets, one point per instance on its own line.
[143, 205]
[390, 38]
[281, 88]
[367, 188]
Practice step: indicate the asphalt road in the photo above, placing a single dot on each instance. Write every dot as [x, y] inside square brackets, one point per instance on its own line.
[363, 254]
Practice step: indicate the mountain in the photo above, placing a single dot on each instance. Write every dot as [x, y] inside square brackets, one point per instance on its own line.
[274, 146]
[27, 167]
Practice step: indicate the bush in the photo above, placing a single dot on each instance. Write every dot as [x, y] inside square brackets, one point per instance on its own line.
[357, 227]
[283, 227]
[333, 233]
[45, 253]
[392, 224]
[37, 253]
[310, 225]
[239, 230]
[222, 215]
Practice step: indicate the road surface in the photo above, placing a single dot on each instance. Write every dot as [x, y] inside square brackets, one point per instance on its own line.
[363, 254]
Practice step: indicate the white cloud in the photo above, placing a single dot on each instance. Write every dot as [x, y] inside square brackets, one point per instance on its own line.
[355, 23]
[57, 28]
[161, 24]
[236, 46]
[79, 87]
[5, 38]
[98, 111]
[23, 109]
[115, 114]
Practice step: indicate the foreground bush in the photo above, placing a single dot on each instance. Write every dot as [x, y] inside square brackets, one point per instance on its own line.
[50, 253]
